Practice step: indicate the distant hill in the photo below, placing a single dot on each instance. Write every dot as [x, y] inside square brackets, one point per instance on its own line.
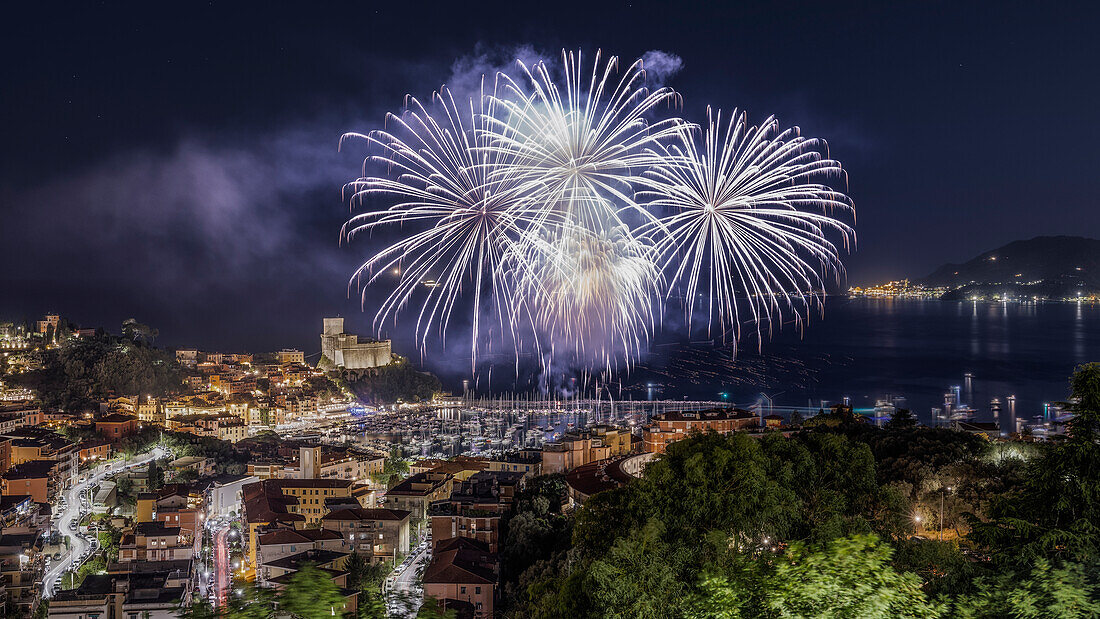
[1049, 266]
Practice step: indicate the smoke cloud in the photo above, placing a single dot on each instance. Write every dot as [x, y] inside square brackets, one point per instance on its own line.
[660, 67]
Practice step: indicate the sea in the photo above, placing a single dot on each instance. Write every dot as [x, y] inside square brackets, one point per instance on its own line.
[862, 350]
[910, 351]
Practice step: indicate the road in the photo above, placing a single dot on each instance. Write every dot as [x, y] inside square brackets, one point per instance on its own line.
[221, 567]
[80, 545]
[407, 584]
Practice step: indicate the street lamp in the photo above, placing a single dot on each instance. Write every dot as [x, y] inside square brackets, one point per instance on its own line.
[941, 510]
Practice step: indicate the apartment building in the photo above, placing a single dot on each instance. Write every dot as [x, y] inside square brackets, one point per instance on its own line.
[376, 534]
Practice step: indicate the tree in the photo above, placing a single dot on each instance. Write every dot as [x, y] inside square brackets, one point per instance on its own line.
[637, 577]
[433, 609]
[109, 537]
[901, 418]
[1068, 592]
[138, 333]
[156, 475]
[1085, 404]
[1055, 511]
[942, 566]
[356, 568]
[847, 577]
[311, 594]
[199, 609]
[255, 602]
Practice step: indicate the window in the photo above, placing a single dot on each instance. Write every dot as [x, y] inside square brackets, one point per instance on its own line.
[462, 590]
[477, 590]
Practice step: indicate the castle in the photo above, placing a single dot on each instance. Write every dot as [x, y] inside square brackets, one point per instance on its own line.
[345, 351]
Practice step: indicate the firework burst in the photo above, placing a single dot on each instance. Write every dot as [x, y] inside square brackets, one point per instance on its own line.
[562, 212]
[748, 221]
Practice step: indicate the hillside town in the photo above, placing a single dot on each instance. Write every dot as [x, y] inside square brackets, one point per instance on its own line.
[241, 469]
[138, 481]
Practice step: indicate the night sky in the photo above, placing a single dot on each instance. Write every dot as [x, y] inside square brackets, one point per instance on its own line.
[179, 164]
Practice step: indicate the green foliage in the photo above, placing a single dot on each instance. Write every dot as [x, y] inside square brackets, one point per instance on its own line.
[255, 602]
[432, 609]
[156, 476]
[199, 609]
[138, 443]
[846, 577]
[536, 536]
[95, 565]
[109, 537]
[1068, 591]
[322, 386]
[362, 574]
[397, 381]
[311, 594]
[1054, 511]
[942, 566]
[638, 576]
[227, 458]
[394, 469]
[185, 476]
[87, 370]
[638, 550]
[139, 333]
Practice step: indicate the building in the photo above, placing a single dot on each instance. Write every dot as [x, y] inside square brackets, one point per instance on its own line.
[133, 590]
[296, 503]
[188, 357]
[18, 510]
[267, 469]
[200, 465]
[26, 444]
[416, 493]
[151, 412]
[181, 505]
[376, 534]
[20, 556]
[117, 425]
[154, 541]
[222, 426]
[283, 542]
[672, 426]
[225, 495]
[572, 450]
[277, 574]
[287, 356]
[528, 462]
[616, 439]
[49, 324]
[93, 449]
[344, 350]
[316, 462]
[463, 575]
[475, 508]
[33, 478]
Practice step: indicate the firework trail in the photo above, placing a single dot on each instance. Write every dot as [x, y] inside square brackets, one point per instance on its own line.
[565, 212]
[748, 222]
[467, 218]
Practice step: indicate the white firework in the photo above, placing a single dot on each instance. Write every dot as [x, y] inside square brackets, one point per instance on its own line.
[465, 217]
[561, 214]
[747, 223]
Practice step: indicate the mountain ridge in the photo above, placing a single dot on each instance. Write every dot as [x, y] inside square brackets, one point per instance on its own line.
[1040, 258]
